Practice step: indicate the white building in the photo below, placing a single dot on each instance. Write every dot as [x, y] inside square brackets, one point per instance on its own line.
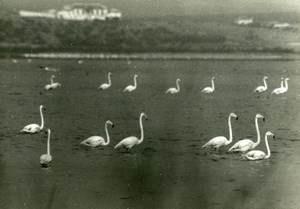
[77, 12]
[244, 21]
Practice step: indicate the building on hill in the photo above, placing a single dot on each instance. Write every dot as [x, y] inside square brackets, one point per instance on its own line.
[244, 21]
[77, 12]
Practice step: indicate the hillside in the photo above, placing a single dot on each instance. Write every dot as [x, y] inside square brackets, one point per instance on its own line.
[168, 34]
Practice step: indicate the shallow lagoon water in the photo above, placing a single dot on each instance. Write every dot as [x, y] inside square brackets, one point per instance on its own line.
[169, 169]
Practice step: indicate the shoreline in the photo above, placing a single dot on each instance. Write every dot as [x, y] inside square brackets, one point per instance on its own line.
[165, 56]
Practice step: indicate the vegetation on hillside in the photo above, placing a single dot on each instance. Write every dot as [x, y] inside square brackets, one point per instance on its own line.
[126, 36]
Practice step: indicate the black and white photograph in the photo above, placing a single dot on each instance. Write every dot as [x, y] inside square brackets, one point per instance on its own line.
[149, 104]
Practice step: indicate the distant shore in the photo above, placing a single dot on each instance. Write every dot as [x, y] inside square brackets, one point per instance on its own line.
[166, 56]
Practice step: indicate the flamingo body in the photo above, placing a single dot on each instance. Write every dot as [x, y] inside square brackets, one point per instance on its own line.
[131, 141]
[173, 90]
[260, 155]
[217, 142]
[208, 90]
[131, 88]
[95, 141]
[46, 159]
[34, 128]
[106, 85]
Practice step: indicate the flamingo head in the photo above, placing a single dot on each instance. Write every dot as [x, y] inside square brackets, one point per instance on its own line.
[42, 107]
[234, 115]
[143, 114]
[213, 78]
[266, 77]
[287, 79]
[110, 123]
[52, 76]
[270, 134]
[109, 73]
[178, 80]
[260, 116]
[135, 76]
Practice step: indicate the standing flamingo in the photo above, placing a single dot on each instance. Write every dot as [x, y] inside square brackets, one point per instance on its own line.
[34, 128]
[245, 145]
[174, 90]
[131, 141]
[219, 141]
[106, 85]
[263, 88]
[211, 89]
[280, 89]
[95, 141]
[52, 85]
[286, 87]
[131, 87]
[260, 155]
[46, 159]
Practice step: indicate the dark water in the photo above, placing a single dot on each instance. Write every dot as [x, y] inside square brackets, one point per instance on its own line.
[169, 169]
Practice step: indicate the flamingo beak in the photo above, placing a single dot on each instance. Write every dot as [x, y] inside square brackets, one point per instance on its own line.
[264, 119]
[112, 125]
[273, 136]
[237, 118]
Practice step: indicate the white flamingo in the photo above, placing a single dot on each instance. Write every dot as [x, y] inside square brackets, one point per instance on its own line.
[280, 89]
[263, 88]
[174, 90]
[245, 145]
[95, 141]
[52, 85]
[131, 141]
[286, 87]
[219, 141]
[106, 85]
[34, 128]
[211, 89]
[46, 159]
[260, 155]
[131, 87]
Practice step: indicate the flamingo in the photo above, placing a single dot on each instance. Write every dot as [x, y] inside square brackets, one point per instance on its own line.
[46, 159]
[131, 87]
[286, 87]
[95, 141]
[260, 89]
[52, 85]
[34, 128]
[219, 141]
[260, 155]
[209, 90]
[131, 141]
[280, 89]
[106, 85]
[174, 90]
[245, 145]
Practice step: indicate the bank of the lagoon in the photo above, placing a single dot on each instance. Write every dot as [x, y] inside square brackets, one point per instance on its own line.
[166, 56]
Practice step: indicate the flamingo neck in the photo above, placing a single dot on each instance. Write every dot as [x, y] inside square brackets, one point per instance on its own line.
[42, 118]
[268, 148]
[51, 80]
[230, 130]
[135, 83]
[107, 135]
[265, 83]
[142, 130]
[258, 133]
[281, 84]
[109, 81]
[177, 84]
[212, 84]
[48, 143]
[286, 85]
